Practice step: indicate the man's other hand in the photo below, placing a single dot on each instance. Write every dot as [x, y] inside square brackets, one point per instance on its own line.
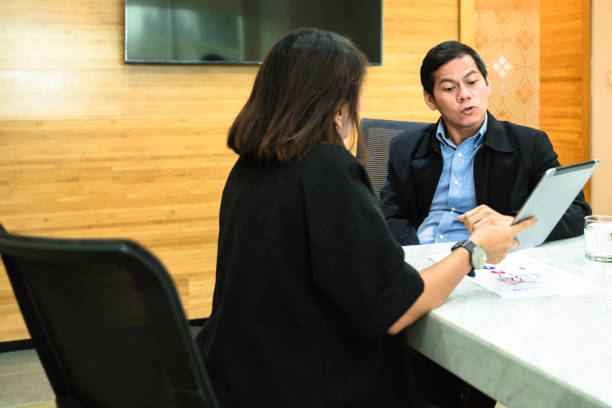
[482, 216]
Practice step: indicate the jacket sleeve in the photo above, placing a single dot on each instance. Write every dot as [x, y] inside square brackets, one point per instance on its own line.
[572, 222]
[402, 225]
[356, 263]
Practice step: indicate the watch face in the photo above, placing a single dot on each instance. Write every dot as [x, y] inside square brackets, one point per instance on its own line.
[479, 258]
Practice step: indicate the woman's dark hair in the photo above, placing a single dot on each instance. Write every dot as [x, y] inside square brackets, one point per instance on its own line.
[303, 81]
[440, 55]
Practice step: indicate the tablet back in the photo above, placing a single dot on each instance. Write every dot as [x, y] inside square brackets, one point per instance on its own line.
[550, 199]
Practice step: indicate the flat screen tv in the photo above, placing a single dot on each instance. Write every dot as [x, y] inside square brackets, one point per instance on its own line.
[240, 31]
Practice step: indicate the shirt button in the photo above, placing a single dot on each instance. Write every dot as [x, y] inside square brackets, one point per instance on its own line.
[456, 181]
[460, 154]
[441, 236]
[453, 209]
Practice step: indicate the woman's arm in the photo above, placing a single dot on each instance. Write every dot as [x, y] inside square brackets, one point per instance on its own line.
[441, 278]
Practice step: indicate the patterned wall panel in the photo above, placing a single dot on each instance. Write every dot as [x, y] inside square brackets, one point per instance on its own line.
[507, 37]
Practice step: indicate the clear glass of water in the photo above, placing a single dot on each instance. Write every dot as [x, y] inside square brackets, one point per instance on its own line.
[598, 237]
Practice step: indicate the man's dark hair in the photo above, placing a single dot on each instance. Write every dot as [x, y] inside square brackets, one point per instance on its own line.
[303, 81]
[440, 55]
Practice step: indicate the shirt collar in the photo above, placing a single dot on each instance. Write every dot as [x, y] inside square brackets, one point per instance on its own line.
[475, 140]
[494, 137]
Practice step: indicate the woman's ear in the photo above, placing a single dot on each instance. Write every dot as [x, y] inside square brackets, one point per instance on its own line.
[342, 122]
[340, 117]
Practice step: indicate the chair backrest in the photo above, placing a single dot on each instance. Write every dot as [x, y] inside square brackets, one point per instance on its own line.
[107, 323]
[377, 134]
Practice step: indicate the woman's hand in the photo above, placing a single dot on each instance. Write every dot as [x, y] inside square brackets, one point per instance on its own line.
[498, 238]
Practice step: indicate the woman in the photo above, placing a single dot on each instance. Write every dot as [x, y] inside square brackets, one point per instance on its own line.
[310, 283]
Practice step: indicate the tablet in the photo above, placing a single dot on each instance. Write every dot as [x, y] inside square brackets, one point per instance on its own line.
[549, 200]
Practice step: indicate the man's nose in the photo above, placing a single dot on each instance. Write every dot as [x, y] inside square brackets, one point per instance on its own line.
[463, 93]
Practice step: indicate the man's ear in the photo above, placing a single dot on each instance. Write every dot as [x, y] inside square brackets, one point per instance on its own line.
[488, 82]
[430, 101]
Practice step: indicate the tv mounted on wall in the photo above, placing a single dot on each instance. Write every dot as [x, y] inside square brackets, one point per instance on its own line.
[240, 31]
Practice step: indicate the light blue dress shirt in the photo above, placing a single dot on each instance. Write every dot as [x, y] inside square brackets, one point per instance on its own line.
[455, 191]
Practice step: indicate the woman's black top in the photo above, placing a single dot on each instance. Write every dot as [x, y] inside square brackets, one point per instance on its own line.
[308, 281]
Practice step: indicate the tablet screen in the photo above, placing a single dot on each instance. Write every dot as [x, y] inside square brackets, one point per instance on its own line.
[549, 200]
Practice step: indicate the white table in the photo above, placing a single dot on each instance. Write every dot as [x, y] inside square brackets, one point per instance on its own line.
[553, 351]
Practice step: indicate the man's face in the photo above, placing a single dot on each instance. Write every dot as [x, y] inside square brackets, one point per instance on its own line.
[460, 94]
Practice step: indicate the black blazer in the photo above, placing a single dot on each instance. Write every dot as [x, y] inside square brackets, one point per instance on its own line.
[507, 167]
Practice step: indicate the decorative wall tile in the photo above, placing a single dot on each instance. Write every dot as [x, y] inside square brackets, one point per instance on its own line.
[507, 37]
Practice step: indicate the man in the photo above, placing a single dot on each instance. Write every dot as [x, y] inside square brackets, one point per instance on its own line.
[468, 169]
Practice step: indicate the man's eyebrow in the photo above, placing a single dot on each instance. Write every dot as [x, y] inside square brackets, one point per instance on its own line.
[473, 71]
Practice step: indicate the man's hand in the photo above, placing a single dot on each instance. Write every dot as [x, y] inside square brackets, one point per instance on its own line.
[482, 216]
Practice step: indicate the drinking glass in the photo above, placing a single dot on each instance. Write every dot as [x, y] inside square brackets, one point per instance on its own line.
[598, 237]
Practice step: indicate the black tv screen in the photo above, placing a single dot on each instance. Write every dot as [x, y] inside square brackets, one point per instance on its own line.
[240, 31]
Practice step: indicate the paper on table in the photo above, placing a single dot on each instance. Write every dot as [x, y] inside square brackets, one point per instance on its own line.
[519, 275]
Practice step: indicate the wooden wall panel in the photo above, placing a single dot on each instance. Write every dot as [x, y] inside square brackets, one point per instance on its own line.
[410, 29]
[565, 56]
[91, 147]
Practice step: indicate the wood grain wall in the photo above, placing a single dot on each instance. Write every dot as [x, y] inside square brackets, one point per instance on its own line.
[91, 147]
[565, 81]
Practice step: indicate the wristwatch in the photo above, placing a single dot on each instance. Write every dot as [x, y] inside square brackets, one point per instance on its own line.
[478, 256]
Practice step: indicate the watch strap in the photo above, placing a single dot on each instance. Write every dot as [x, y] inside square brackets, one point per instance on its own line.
[469, 245]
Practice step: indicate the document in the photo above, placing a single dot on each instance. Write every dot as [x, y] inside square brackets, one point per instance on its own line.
[519, 275]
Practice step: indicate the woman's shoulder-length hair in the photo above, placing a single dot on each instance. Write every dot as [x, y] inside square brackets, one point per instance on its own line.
[304, 80]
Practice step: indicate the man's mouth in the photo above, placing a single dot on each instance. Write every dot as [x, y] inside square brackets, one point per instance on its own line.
[468, 110]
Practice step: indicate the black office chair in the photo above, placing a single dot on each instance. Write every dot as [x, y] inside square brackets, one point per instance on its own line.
[377, 134]
[106, 322]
